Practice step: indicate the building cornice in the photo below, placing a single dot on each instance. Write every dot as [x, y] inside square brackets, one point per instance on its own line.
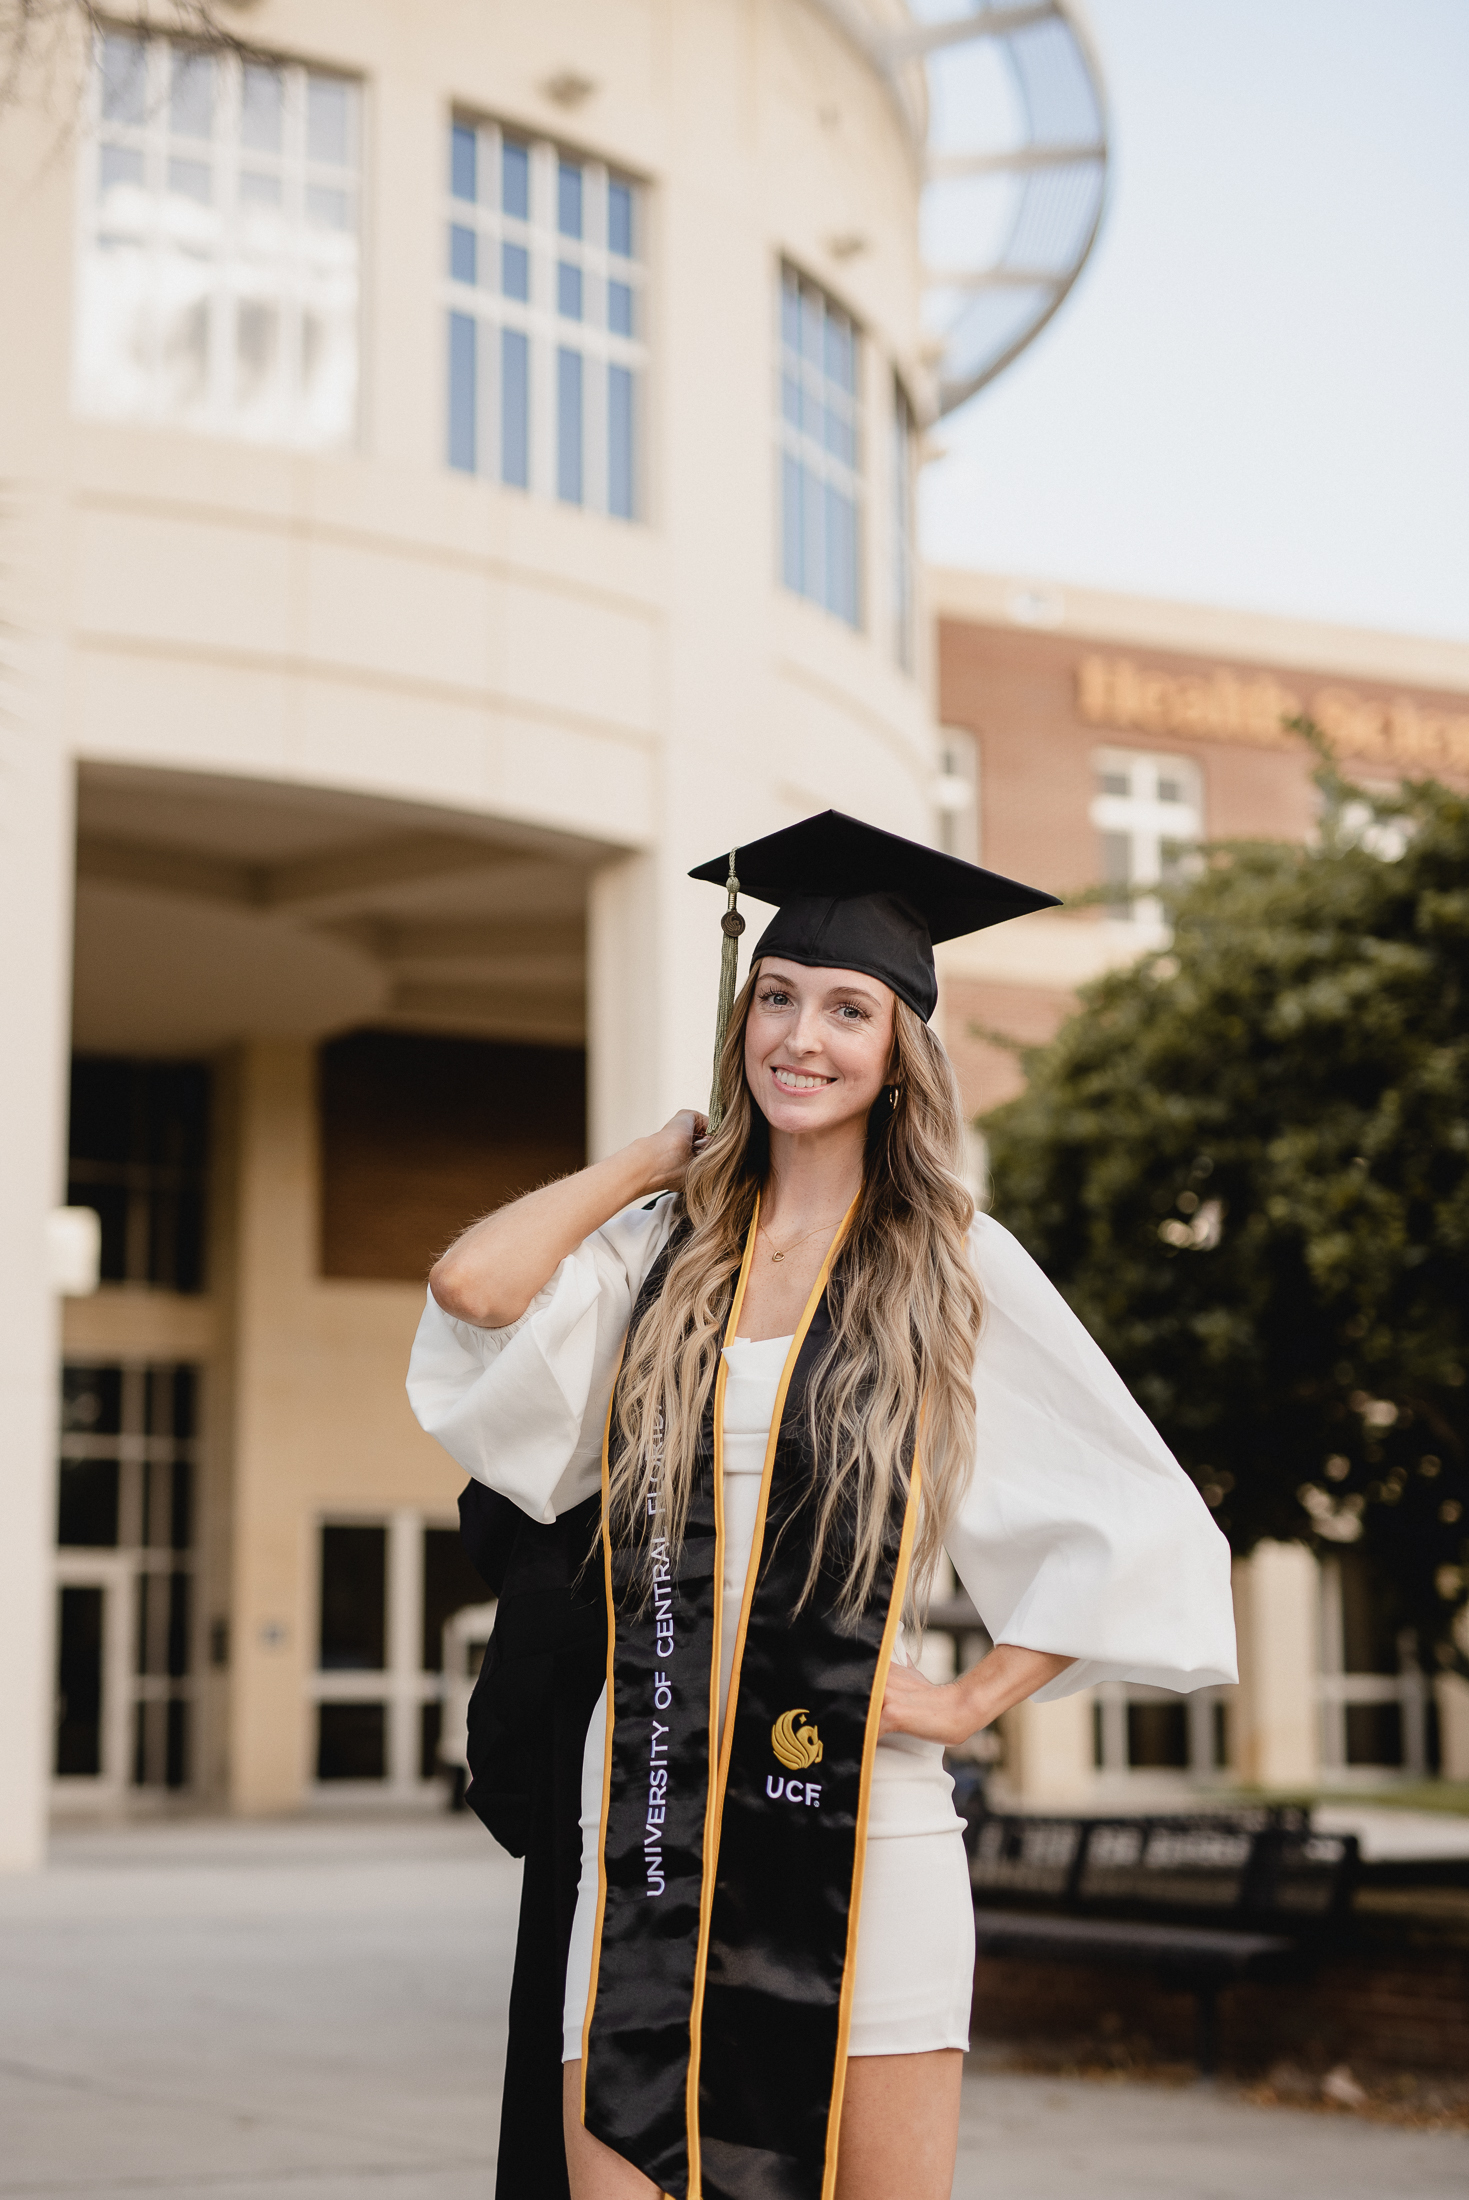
[1198, 630]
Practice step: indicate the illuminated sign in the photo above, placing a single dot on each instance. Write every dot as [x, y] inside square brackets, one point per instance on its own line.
[1250, 706]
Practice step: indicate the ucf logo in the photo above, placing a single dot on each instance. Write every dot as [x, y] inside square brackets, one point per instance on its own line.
[797, 1748]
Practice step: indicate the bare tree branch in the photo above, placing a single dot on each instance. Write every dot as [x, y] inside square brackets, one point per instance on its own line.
[45, 45]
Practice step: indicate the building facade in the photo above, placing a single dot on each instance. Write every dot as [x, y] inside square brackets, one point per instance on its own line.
[458, 474]
[1088, 740]
[458, 471]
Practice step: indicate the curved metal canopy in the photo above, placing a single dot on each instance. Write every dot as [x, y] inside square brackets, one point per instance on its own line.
[1005, 104]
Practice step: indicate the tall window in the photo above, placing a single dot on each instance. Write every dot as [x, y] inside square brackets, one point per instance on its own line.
[820, 448]
[956, 793]
[905, 438]
[1148, 811]
[126, 1534]
[138, 1154]
[547, 320]
[387, 1588]
[1374, 1696]
[219, 271]
[1150, 1730]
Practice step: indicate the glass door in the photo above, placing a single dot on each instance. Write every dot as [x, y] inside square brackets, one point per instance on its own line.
[125, 1623]
[94, 1627]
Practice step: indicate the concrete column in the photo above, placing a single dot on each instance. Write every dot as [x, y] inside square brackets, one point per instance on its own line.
[1049, 1759]
[1452, 1693]
[276, 1208]
[624, 989]
[1278, 1715]
[36, 883]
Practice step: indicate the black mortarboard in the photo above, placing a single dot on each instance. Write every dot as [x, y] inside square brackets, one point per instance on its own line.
[851, 897]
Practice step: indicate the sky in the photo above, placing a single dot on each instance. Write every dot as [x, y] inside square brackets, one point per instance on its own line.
[1257, 395]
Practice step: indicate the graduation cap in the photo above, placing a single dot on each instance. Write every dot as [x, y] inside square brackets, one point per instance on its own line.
[849, 896]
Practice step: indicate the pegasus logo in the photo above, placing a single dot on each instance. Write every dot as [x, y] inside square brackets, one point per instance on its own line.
[797, 1748]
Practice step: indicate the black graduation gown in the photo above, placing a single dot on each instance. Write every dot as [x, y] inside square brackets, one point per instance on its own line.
[528, 1716]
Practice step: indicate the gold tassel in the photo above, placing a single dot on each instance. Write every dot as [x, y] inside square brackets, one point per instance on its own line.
[732, 924]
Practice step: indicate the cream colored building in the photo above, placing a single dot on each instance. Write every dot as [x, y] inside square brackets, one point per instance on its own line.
[457, 472]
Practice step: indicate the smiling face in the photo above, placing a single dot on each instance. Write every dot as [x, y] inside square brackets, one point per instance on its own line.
[818, 1045]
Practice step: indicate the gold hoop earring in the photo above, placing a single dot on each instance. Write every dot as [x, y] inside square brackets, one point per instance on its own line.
[894, 1092]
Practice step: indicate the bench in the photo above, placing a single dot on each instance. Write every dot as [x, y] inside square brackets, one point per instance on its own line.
[1200, 1900]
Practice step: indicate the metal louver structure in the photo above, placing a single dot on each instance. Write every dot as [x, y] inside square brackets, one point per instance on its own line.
[1004, 104]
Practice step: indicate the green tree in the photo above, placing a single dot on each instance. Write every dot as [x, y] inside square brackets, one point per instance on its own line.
[1245, 1161]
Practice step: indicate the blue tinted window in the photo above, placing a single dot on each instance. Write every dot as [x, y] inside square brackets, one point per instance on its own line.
[839, 351]
[841, 555]
[792, 564]
[813, 535]
[568, 291]
[568, 199]
[820, 507]
[461, 392]
[463, 163]
[841, 438]
[514, 408]
[515, 271]
[461, 253]
[568, 426]
[790, 313]
[620, 442]
[619, 308]
[813, 326]
[515, 179]
[619, 219]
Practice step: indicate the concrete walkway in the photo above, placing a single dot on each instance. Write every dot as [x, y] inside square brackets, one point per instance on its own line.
[315, 2011]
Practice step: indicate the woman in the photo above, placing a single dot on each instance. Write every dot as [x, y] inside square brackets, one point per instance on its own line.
[833, 1370]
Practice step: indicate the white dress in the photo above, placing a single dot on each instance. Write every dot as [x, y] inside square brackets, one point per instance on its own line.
[915, 1936]
[1078, 1534]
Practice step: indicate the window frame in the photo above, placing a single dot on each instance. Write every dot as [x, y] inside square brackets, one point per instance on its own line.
[904, 560]
[800, 454]
[600, 352]
[238, 272]
[141, 1682]
[1139, 817]
[402, 1685]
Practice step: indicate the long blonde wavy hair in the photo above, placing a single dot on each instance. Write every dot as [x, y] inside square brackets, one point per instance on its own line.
[906, 1311]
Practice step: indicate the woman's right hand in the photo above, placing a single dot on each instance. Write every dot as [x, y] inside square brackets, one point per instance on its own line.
[669, 1151]
[491, 1273]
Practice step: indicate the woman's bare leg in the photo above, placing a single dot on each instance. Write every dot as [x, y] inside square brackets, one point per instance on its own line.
[900, 2133]
[596, 2172]
[900, 2126]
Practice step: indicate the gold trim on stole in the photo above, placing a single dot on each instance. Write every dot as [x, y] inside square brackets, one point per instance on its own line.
[586, 2022]
[717, 1785]
[714, 1808]
[864, 1796]
[711, 1800]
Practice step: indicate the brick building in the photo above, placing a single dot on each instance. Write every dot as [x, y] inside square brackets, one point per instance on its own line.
[1102, 735]
[1089, 740]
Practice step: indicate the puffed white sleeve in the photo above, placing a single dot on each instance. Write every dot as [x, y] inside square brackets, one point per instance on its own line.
[523, 1409]
[1080, 1533]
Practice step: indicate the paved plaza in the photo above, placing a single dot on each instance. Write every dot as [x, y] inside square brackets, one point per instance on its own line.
[315, 2011]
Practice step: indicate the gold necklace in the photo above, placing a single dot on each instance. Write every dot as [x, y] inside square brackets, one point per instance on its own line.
[795, 1241]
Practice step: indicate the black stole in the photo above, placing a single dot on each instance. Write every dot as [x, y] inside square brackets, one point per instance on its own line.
[714, 2055]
